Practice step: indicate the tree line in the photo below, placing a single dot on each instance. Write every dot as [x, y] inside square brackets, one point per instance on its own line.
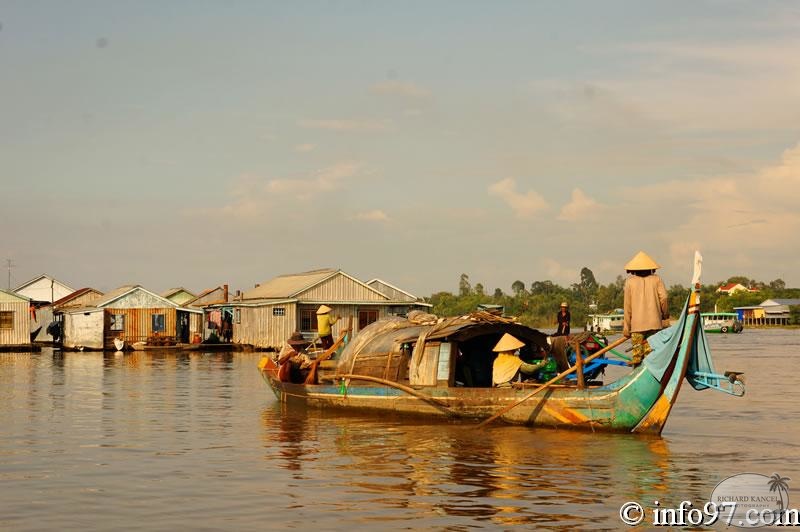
[537, 304]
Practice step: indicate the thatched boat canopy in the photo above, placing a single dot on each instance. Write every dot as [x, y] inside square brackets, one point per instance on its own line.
[385, 347]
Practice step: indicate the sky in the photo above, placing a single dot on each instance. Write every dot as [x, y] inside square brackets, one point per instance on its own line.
[196, 143]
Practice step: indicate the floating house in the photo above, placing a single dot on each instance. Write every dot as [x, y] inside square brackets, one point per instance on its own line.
[42, 292]
[14, 320]
[133, 314]
[769, 312]
[266, 316]
[214, 317]
[77, 299]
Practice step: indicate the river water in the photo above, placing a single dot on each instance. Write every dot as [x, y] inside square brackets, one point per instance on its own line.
[193, 441]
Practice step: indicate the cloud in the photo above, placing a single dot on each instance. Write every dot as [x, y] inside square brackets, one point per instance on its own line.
[304, 148]
[524, 205]
[400, 88]
[251, 197]
[322, 180]
[346, 125]
[372, 216]
[579, 208]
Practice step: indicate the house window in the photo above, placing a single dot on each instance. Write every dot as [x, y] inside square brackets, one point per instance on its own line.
[237, 315]
[365, 317]
[6, 319]
[308, 320]
[117, 322]
[159, 322]
[278, 311]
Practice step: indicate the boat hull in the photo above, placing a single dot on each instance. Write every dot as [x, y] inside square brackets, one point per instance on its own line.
[618, 407]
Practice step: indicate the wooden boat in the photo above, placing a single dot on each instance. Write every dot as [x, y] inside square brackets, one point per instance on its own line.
[414, 367]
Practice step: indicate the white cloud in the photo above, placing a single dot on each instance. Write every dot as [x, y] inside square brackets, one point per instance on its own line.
[304, 148]
[346, 125]
[372, 216]
[580, 207]
[323, 180]
[401, 88]
[524, 205]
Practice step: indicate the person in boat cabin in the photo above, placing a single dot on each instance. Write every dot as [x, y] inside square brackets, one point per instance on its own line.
[294, 365]
[324, 323]
[562, 318]
[646, 304]
[508, 366]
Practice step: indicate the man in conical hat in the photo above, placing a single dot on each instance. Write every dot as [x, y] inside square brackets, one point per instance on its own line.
[646, 304]
[324, 323]
[507, 366]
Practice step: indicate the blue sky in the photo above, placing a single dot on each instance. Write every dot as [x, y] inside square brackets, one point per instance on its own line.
[198, 143]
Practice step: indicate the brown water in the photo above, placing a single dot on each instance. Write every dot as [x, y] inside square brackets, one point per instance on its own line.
[190, 441]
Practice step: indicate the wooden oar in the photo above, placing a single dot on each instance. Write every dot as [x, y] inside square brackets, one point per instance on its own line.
[551, 381]
[410, 391]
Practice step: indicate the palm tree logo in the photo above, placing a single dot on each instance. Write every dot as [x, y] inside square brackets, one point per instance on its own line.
[778, 484]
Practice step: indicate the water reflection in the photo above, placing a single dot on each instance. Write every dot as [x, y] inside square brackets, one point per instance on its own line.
[506, 476]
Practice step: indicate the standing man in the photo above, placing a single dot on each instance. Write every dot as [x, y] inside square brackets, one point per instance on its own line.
[324, 323]
[563, 320]
[646, 304]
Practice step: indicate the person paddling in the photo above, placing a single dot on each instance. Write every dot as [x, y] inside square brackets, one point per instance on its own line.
[324, 323]
[646, 304]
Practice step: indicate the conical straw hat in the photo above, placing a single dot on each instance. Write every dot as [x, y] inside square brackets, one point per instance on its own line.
[641, 261]
[323, 309]
[507, 343]
[564, 304]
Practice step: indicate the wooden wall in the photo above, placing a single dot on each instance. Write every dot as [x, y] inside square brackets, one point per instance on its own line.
[20, 333]
[138, 324]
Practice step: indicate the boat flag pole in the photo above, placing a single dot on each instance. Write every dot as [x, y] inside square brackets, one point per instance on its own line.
[557, 378]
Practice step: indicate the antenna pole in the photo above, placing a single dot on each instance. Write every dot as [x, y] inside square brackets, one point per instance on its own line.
[10, 265]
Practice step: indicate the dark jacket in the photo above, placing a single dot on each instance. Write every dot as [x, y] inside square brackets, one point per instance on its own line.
[563, 323]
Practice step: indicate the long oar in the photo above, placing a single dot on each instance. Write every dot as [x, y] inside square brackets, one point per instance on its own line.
[551, 381]
[410, 391]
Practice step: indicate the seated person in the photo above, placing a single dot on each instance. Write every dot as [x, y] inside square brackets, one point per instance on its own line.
[508, 366]
[293, 366]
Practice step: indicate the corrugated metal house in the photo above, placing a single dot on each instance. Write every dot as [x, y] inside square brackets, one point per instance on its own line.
[79, 298]
[132, 313]
[44, 289]
[14, 319]
[769, 312]
[268, 314]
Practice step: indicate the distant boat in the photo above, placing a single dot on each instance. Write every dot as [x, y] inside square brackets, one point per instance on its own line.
[605, 323]
[119, 343]
[721, 322]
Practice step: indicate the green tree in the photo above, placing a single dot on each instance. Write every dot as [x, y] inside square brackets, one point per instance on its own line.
[794, 314]
[777, 284]
[588, 283]
[498, 294]
[517, 288]
[479, 291]
[464, 288]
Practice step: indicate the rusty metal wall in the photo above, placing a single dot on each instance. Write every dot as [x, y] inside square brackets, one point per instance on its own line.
[341, 288]
[20, 333]
[138, 324]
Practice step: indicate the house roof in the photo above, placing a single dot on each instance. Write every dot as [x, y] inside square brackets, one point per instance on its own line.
[173, 291]
[287, 286]
[39, 278]
[74, 295]
[127, 289]
[390, 285]
[787, 302]
[730, 286]
[13, 295]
